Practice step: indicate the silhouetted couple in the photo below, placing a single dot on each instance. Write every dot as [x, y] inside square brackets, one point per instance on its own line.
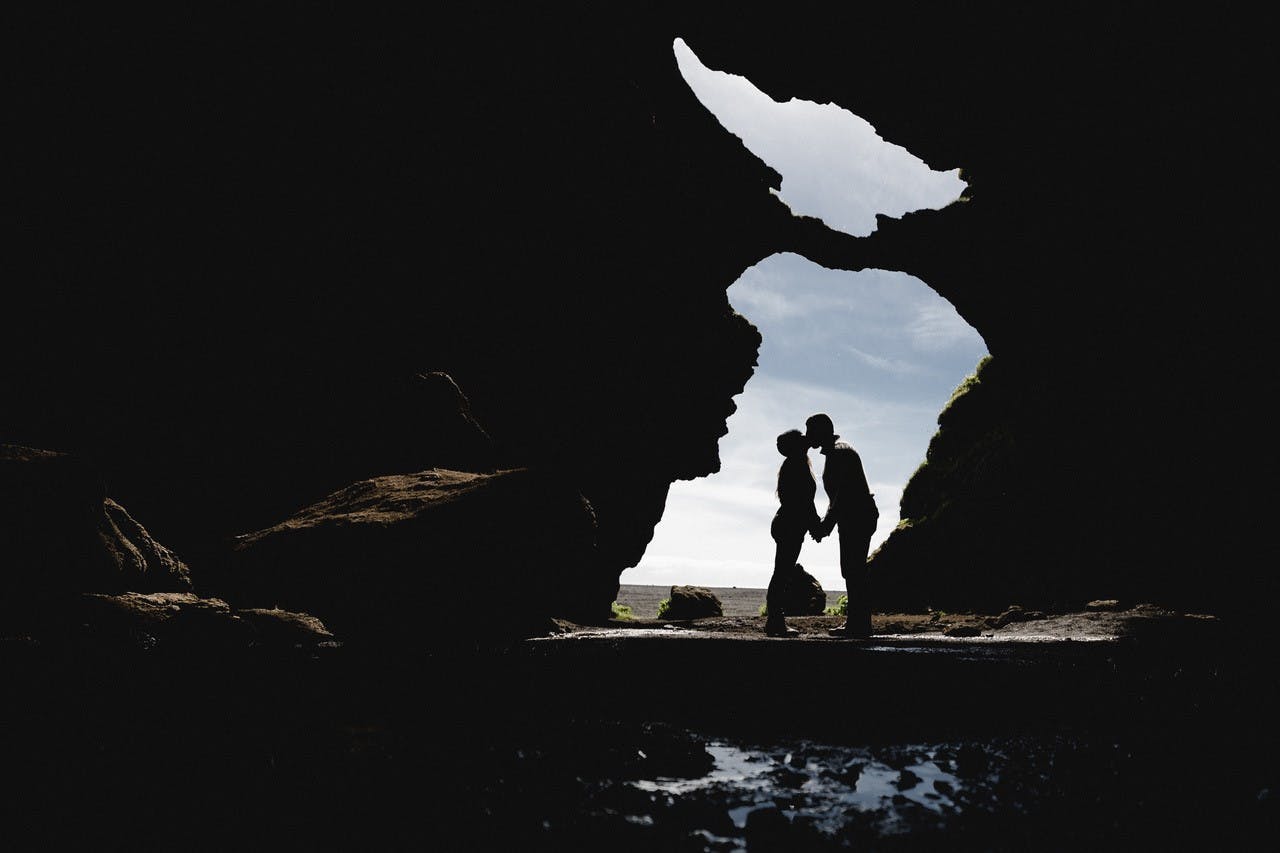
[851, 510]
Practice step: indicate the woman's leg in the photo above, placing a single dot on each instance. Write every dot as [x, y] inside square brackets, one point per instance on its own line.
[786, 552]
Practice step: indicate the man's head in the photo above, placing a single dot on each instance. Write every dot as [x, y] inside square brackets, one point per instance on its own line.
[819, 431]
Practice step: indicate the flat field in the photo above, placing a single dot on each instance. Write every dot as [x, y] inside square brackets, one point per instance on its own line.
[735, 600]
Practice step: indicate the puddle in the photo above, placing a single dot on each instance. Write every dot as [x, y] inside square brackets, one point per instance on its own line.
[822, 786]
[734, 768]
[877, 642]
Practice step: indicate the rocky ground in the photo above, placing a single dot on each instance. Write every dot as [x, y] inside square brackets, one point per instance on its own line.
[1111, 728]
[704, 735]
[1101, 620]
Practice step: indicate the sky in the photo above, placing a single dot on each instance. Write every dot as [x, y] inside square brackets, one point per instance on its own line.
[877, 350]
[833, 163]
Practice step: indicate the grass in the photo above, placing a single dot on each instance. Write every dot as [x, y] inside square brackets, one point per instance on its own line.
[622, 611]
[840, 608]
[663, 606]
[966, 384]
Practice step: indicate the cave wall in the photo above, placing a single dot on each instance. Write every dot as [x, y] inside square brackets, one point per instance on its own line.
[249, 234]
[244, 236]
[1111, 252]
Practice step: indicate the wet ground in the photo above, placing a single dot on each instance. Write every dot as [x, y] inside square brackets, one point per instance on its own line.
[1026, 739]
[641, 737]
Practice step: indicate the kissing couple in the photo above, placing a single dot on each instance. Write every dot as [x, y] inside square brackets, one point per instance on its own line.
[851, 510]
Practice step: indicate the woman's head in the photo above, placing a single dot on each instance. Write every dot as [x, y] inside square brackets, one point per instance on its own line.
[792, 443]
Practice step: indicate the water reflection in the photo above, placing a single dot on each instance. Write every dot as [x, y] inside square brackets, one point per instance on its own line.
[823, 785]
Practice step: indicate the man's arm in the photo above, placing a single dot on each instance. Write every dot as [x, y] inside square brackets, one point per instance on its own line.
[828, 522]
[852, 489]
[817, 527]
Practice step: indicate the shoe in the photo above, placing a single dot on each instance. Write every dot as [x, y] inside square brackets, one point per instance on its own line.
[782, 631]
[845, 632]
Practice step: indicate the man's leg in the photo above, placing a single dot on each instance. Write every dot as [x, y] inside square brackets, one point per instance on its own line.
[857, 579]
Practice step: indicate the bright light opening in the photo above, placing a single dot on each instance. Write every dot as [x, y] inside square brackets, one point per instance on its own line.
[878, 351]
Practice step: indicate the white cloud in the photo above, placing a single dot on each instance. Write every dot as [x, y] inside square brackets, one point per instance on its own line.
[937, 326]
[889, 365]
[761, 300]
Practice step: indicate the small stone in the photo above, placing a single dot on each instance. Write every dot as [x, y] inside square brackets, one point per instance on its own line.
[766, 823]
[850, 773]
[971, 760]
[907, 780]
[1103, 604]
[789, 778]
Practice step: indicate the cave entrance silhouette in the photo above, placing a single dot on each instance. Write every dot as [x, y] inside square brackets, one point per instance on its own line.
[878, 350]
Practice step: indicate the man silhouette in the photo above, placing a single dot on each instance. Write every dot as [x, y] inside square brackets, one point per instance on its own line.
[852, 509]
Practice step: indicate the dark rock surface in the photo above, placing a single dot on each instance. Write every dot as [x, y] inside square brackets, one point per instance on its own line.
[274, 626]
[1015, 614]
[803, 595]
[412, 555]
[691, 602]
[258, 241]
[61, 535]
[1103, 605]
[520, 747]
[175, 623]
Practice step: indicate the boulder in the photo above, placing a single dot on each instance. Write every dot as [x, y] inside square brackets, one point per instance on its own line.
[410, 556]
[179, 621]
[1104, 605]
[691, 602]
[61, 535]
[147, 566]
[1014, 613]
[767, 828]
[802, 594]
[276, 627]
[164, 619]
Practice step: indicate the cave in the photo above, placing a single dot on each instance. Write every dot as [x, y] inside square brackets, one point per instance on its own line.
[877, 350]
[274, 262]
[233, 287]
[345, 244]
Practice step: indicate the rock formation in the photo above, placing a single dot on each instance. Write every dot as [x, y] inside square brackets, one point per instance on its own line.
[408, 557]
[803, 594]
[690, 602]
[245, 244]
[60, 535]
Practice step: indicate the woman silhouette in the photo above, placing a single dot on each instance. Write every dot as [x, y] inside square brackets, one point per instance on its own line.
[795, 517]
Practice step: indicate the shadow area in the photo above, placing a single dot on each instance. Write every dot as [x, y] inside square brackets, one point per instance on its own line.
[642, 743]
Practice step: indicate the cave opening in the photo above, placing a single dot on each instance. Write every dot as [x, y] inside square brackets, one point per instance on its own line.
[878, 350]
